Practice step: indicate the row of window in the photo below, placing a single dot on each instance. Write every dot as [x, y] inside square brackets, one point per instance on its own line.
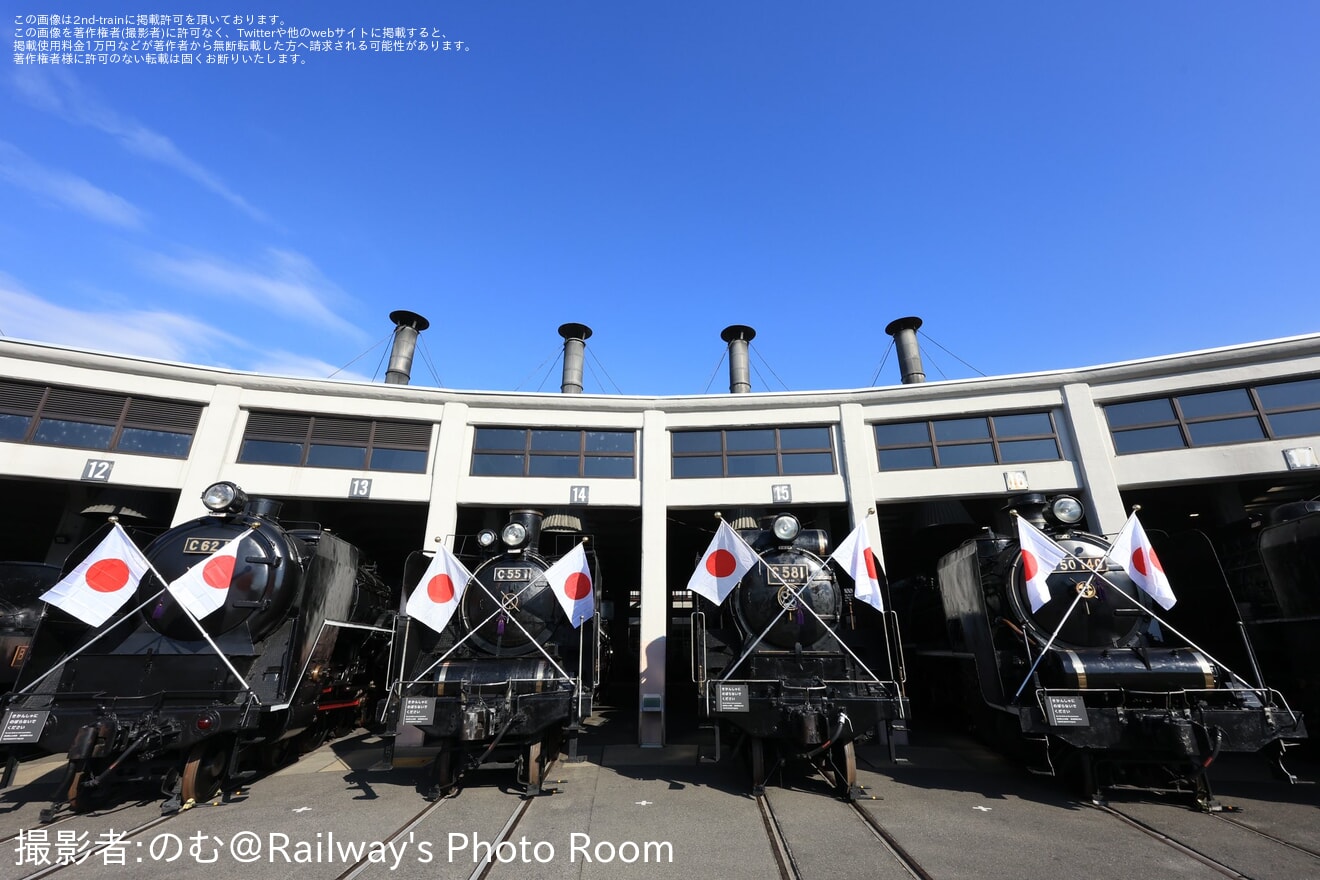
[1211, 418]
[55, 416]
[48, 415]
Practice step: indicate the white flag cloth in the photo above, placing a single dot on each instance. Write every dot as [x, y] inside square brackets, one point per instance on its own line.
[438, 593]
[1040, 556]
[857, 558]
[1132, 550]
[570, 578]
[727, 559]
[102, 582]
[204, 587]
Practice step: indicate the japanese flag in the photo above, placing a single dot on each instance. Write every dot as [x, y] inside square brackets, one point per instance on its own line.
[103, 582]
[857, 558]
[570, 578]
[204, 587]
[438, 593]
[1132, 550]
[1040, 556]
[727, 559]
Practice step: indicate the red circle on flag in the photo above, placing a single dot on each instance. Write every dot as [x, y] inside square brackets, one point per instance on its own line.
[1030, 567]
[872, 570]
[1145, 564]
[107, 575]
[721, 563]
[577, 586]
[219, 572]
[440, 589]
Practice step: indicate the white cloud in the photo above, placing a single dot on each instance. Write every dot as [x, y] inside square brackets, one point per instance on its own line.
[67, 189]
[57, 91]
[289, 284]
[150, 333]
[146, 333]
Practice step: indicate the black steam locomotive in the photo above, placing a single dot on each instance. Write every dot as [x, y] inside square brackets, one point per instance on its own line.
[508, 678]
[1115, 697]
[791, 665]
[21, 586]
[1287, 626]
[304, 639]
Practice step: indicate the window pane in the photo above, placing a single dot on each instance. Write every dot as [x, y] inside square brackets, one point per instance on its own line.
[270, 452]
[744, 441]
[325, 455]
[906, 459]
[1225, 431]
[1296, 424]
[1215, 403]
[697, 441]
[1023, 425]
[556, 441]
[971, 453]
[56, 432]
[609, 441]
[1148, 439]
[1142, 412]
[808, 463]
[13, 427]
[1290, 394]
[484, 465]
[908, 433]
[166, 443]
[961, 429]
[607, 466]
[1027, 450]
[804, 438]
[699, 466]
[752, 465]
[512, 439]
[554, 466]
[408, 461]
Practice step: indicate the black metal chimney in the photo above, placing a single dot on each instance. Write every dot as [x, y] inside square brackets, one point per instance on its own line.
[740, 374]
[904, 331]
[575, 344]
[406, 327]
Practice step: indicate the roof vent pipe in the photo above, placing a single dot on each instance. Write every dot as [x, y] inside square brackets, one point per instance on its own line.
[406, 327]
[740, 374]
[904, 331]
[575, 343]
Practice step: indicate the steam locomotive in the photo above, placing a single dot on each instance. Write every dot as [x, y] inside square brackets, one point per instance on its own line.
[295, 651]
[508, 678]
[1091, 682]
[21, 586]
[780, 662]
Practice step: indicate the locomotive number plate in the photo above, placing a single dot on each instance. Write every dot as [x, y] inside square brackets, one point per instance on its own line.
[510, 574]
[794, 573]
[203, 545]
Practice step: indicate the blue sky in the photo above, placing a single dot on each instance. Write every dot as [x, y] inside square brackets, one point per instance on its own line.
[1048, 185]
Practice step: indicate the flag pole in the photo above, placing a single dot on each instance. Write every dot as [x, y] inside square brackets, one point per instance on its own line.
[1043, 651]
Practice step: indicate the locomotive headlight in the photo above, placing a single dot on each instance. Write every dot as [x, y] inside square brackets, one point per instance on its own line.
[1067, 510]
[486, 537]
[224, 498]
[514, 535]
[786, 527]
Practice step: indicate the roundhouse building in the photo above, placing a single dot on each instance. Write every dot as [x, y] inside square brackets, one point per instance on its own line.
[1207, 440]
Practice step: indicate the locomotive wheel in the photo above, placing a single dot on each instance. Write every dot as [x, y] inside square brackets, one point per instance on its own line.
[204, 771]
[756, 752]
